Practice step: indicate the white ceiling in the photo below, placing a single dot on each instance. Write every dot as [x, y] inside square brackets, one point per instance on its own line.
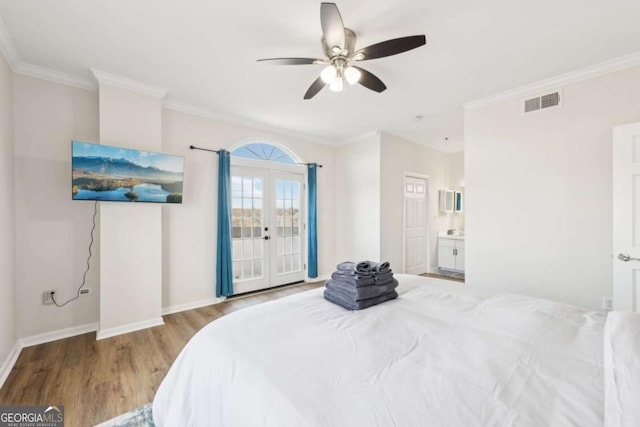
[204, 52]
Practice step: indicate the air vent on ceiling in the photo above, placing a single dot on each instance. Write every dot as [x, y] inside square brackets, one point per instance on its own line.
[542, 102]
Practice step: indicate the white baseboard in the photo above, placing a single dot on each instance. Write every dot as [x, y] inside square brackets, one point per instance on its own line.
[57, 335]
[131, 327]
[8, 364]
[210, 301]
[451, 270]
[29, 341]
[191, 305]
[32, 340]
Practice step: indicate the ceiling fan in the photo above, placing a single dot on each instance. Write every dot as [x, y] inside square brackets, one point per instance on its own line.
[338, 44]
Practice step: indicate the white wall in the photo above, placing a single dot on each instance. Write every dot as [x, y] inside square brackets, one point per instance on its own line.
[539, 191]
[7, 216]
[52, 230]
[397, 157]
[456, 169]
[358, 199]
[456, 182]
[190, 229]
[130, 234]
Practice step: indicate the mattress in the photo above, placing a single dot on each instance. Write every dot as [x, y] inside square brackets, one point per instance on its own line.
[440, 354]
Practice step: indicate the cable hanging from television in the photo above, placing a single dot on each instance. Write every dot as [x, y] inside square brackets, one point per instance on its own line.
[84, 276]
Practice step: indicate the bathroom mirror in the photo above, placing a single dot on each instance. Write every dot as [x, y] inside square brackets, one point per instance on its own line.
[446, 200]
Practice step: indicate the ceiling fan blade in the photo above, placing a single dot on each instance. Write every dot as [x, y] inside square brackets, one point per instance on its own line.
[370, 81]
[315, 87]
[390, 47]
[332, 26]
[292, 61]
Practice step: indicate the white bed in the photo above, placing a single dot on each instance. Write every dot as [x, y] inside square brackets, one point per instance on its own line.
[441, 355]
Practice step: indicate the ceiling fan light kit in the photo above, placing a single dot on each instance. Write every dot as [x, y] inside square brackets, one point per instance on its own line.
[352, 75]
[333, 75]
[329, 74]
[338, 44]
[337, 85]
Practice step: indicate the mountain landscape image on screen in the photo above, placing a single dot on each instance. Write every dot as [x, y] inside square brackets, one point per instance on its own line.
[118, 174]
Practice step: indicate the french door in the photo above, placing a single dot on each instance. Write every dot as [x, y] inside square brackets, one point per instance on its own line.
[268, 227]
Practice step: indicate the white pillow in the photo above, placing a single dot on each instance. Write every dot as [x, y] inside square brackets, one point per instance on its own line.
[621, 362]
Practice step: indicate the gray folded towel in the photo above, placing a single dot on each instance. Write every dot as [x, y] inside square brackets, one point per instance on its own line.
[360, 267]
[353, 280]
[379, 267]
[383, 277]
[362, 292]
[358, 274]
[343, 302]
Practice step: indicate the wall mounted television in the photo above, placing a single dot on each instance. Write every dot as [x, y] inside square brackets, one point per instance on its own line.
[116, 174]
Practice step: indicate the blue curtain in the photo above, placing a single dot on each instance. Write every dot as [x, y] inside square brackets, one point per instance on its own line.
[313, 233]
[224, 267]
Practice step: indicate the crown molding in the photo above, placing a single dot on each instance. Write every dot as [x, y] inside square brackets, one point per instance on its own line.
[10, 53]
[8, 48]
[126, 83]
[54, 76]
[596, 70]
[191, 110]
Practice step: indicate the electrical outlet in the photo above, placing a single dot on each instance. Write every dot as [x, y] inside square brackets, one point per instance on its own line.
[607, 303]
[46, 297]
[85, 291]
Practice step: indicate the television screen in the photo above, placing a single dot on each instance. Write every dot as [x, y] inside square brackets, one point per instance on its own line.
[101, 172]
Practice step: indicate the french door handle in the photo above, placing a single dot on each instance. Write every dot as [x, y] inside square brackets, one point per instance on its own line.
[266, 237]
[626, 257]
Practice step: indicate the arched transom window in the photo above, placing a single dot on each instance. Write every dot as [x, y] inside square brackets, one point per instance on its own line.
[263, 151]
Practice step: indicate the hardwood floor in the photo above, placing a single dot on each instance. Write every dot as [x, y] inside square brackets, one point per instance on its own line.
[98, 380]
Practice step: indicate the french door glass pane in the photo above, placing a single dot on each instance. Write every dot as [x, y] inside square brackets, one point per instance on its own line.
[247, 219]
[288, 230]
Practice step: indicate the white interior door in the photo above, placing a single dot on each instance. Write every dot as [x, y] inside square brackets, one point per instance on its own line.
[415, 230]
[626, 217]
[268, 228]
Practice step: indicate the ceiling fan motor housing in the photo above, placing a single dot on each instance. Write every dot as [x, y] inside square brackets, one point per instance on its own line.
[349, 46]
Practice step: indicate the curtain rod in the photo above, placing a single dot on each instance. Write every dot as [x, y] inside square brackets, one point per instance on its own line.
[193, 147]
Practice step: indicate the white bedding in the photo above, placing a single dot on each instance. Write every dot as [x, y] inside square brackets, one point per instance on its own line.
[439, 355]
[622, 369]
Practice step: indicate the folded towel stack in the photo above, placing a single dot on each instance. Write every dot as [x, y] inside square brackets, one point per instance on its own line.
[355, 286]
